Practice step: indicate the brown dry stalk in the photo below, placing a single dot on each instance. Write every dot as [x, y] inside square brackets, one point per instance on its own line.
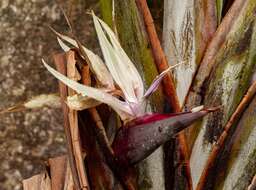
[60, 62]
[101, 133]
[159, 56]
[216, 150]
[61, 177]
[72, 73]
[169, 87]
[58, 167]
[58, 176]
[37, 182]
[103, 139]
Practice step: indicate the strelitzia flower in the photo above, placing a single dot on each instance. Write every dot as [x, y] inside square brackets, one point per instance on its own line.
[118, 69]
[144, 132]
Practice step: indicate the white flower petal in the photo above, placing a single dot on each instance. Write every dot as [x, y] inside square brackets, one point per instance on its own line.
[79, 102]
[40, 101]
[65, 38]
[127, 66]
[97, 66]
[157, 81]
[63, 45]
[119, 106]
[114, 64]
[50, 100]
[197, 109]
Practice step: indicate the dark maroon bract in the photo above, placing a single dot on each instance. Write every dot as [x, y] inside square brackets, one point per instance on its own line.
[139, 138]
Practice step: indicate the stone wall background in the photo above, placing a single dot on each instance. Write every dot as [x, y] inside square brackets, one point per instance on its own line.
[28, 138]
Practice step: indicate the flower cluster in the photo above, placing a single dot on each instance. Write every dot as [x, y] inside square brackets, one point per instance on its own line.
[117, 71]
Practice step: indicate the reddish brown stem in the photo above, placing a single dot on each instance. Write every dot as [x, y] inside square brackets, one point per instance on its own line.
[216, 150]
[159, 56]
[101, 133]
[169, 87]
[60, 63]
[102, 137]
[72, 73]
[108, 151]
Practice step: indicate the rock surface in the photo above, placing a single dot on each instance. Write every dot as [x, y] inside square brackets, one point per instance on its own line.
[28, 138]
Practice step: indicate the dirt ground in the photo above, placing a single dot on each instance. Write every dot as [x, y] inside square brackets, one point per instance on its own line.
[28, 138]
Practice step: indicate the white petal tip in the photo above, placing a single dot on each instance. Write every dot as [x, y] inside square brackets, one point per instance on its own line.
[64, 47]
[197, 109]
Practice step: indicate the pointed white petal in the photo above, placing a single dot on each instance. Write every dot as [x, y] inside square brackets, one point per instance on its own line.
[65, 38]
[127, 66]
[63, 45]
[197, 109]
[40, 101]
[79, 102]
[114, 63]
[94, 93]
[100, 70]
[50, 100]
[139, 109]
[156, 82]
[97, 66]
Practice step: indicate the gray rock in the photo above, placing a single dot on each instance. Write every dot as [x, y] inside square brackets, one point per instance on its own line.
[28, 138]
